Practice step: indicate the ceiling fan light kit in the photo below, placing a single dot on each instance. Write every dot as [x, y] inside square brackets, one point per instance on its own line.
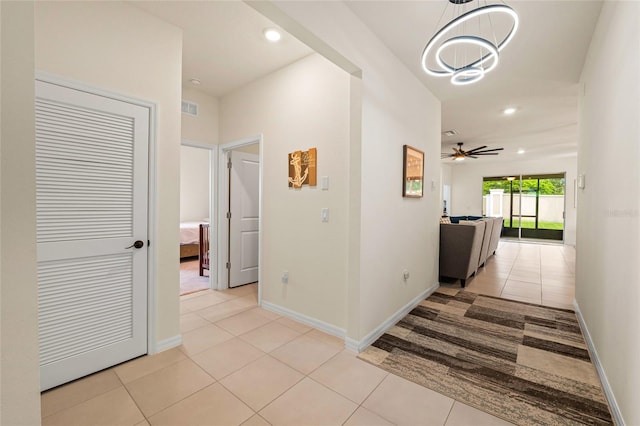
[471, 42]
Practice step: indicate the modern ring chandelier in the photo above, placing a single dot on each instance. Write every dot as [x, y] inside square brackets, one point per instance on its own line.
[469, 46]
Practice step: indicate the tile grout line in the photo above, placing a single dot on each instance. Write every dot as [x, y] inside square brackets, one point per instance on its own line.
[187, 396]
[449, 413]
[509, 274]
[133, 399]
[540, 271]
[276, 397]
[369, 395]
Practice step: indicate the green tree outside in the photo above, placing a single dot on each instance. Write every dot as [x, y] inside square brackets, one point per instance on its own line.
[553, 186]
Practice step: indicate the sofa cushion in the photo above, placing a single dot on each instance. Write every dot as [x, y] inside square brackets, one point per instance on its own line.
[456, 219]
[495, 235]
[486, 238]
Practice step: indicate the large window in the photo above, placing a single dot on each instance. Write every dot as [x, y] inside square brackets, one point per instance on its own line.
[532, 205]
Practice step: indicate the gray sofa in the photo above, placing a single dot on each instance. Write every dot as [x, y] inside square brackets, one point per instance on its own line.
[466, 246]
[486, 240]
[495, 235]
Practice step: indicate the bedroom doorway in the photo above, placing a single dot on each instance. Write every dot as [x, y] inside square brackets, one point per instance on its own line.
[196, 197]
[239, 218]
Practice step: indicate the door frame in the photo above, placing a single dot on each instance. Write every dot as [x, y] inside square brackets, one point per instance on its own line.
[519, 178]
[213, 200]
[223, 225]
[152, 216]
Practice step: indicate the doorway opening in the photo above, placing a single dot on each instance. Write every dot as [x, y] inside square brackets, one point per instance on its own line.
[196, 195]
[239, 201]
[533, 206]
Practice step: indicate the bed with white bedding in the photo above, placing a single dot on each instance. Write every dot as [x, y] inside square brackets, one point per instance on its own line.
[189, 239]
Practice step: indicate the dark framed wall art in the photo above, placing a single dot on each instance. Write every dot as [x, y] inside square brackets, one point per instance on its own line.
[412, 172]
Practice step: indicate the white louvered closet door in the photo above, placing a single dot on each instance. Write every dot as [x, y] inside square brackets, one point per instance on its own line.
[92, 191]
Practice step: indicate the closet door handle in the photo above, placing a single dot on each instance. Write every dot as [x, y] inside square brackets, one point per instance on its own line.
[138, 244]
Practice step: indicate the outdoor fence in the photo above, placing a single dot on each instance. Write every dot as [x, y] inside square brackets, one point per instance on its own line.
[550, 207]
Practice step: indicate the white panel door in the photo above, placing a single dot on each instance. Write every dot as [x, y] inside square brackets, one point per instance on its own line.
[92, 185]
[243, 226]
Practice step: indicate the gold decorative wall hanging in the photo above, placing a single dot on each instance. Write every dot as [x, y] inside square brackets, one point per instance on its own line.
[302, 168]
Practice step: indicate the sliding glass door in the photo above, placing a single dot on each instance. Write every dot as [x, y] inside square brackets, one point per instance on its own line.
[532, 205]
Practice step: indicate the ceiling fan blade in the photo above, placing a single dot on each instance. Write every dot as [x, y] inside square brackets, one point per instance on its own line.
[472, 156]
[477, 149]
[485, 153]
[489, 150]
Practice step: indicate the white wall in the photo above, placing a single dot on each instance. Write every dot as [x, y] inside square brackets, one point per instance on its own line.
[204, 127]
[304, 105]
[250, 149]
[608, 240]
[392, 233]
[446, 179]
[19, 355]
[466, 191]
[117, 47]
[194, 184]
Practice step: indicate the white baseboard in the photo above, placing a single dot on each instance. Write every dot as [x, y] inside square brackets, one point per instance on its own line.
[360, 345]
[165, 344]
[313, 322]
[613, 404]
[349, 343]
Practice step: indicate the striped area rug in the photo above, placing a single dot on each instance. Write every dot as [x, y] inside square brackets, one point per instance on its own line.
[525, 363]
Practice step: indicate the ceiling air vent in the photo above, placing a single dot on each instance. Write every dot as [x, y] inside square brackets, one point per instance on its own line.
[190, 108]
[450, 133]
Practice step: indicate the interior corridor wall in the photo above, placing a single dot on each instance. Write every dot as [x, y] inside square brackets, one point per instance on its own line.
[608, 240]
[394, 233]
[466, 186]
[117, 47]
[194, 184]
[446, 177]
[19, 349]
[202, 128]
[304, 105]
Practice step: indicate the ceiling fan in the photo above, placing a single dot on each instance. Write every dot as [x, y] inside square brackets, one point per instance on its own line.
[460, 154]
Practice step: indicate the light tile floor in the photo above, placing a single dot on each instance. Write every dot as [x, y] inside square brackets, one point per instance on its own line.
[190, 279]
[241, 364]
[528, 272]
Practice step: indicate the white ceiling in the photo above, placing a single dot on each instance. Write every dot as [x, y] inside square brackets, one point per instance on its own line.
[538, 72]
[223, 43]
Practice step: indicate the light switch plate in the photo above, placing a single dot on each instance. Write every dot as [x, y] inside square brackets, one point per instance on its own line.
[324, 214]
[324, 183]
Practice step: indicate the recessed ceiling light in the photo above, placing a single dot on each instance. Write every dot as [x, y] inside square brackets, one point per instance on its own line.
[521, 151]
[509, 111]
[272, 34]
[195, 81]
